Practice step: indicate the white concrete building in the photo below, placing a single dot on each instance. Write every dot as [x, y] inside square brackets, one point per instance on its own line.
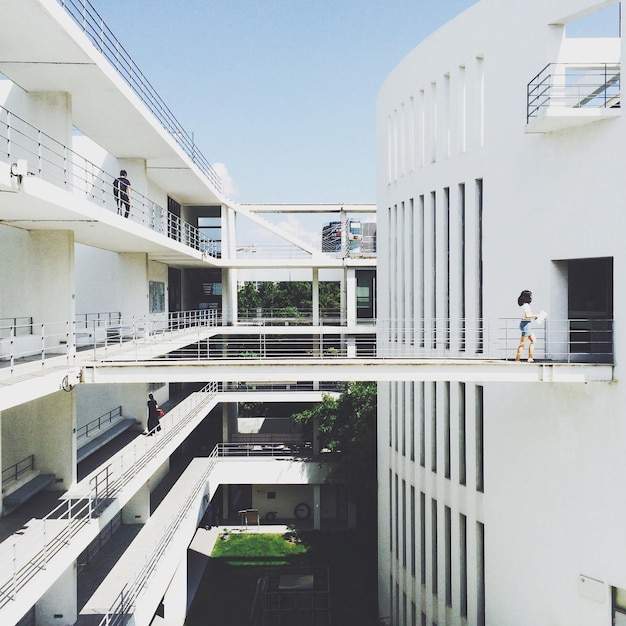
[81, 286]
[484, 463]
[500, 161]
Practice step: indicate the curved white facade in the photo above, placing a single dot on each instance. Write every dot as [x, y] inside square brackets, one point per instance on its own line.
[500, 503]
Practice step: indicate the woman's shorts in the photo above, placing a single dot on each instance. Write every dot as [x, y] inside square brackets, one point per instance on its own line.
[524, 326]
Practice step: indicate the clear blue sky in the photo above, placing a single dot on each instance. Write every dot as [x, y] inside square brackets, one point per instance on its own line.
[281, 92]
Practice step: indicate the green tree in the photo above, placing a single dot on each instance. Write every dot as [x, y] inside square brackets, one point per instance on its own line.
[348, 425]
[286, 297]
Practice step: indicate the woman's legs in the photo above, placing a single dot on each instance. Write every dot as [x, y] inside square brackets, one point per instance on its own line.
[531, 347]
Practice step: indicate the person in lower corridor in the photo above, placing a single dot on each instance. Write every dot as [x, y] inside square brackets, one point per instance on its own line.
[153, 415]
[524, 300]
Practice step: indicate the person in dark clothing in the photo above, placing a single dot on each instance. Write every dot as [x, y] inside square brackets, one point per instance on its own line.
[121, 191]
[153, 415]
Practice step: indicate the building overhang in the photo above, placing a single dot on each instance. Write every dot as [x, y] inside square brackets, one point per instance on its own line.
[558, 118]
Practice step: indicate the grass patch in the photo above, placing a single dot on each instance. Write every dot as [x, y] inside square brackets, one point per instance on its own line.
[228, 586]
[257, 549]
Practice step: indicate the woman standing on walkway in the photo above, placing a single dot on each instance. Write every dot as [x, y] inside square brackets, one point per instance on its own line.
[524, 300]
[153, 415]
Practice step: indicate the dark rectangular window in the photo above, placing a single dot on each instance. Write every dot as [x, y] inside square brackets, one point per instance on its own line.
[411, 416]
[446, 434]
[433, 428]
[446, 259]
[422, 390]
[480, 472]
[463, 564]
[462, 260]
[402, 409]
[396, 530]
[479, 204]
[413, 531]
[404, 524]
[480, 574]
[462, 442]
[423, 538]
[448, 554]
[434, 537]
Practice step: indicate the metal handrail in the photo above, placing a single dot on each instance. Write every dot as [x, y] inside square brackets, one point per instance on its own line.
[97, 423]
[59, 165]
[125, 466]
[44, 343]
[33, 550]
[571, 340]
[13, 472]
[127, 599]
[574, 86]
[100, 35]
[15, 326]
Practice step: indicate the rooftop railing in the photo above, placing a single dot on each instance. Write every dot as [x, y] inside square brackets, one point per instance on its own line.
[574, 86]
[59, 165]
[100, 35]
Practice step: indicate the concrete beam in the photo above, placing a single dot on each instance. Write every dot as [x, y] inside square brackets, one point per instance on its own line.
[268, 370]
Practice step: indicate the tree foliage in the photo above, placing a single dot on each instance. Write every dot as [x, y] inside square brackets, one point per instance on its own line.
[348, 425]
[286, 297]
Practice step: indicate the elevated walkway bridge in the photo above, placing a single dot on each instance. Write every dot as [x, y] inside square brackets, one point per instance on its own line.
[194, 347]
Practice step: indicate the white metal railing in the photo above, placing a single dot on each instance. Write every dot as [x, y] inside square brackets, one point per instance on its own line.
[45, 343]
[132, 591]
[290, 315]
[31, 551]
[574, 86]
[59, 165]
[571, 340]
[88, 19]
[124, 467]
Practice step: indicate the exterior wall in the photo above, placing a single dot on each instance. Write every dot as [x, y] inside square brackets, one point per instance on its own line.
[288, 497]
[38, 273]
[471, 210]
[42, 427]
[91, 399]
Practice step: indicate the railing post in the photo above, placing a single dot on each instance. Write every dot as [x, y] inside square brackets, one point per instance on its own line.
[14, 581]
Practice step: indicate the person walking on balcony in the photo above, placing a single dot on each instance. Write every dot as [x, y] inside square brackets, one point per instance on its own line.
[153, 415]
[121, 191]
[524, 300]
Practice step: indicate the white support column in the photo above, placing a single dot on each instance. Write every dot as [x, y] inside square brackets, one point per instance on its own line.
[350, 278]
[316, 296]
[59, 605]
[229, 276]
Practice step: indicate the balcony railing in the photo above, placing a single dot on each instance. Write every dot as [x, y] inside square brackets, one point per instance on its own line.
[59, 165]
[88, 19]
[574, 86]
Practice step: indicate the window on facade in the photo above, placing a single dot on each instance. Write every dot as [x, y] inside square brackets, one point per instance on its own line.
[157, 297]
[619, 607]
